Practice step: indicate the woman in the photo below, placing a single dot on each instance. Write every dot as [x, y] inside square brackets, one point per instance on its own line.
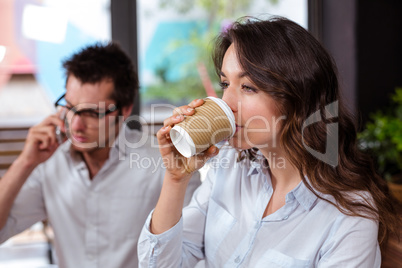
[300, 195]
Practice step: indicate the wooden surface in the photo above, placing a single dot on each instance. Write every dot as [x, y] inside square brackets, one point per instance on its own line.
[11, 143]
[393, 252]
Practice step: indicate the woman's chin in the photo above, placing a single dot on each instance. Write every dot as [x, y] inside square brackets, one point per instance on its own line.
[238, 144]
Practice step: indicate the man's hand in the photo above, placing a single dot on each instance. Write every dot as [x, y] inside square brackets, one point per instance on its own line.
[40, 144]
[41, 141]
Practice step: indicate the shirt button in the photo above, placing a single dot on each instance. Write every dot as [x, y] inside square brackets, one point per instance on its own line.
[257, 225]
[237, 260]
[286, 217]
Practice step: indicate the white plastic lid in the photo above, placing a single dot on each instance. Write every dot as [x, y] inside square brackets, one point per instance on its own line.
[182, 141]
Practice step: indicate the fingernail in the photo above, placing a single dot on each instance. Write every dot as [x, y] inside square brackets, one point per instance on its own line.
[189, 109]
[213, 150]
[178, 116]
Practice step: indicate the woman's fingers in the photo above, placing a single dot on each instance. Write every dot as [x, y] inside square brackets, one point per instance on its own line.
[175, 119]
[195, 103]
[165, 144]
[188, 109]
[179, 113]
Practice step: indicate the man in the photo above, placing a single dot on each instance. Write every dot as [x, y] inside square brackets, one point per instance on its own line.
[97, 188]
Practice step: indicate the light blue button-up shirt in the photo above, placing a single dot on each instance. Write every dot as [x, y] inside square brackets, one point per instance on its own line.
[223, 224]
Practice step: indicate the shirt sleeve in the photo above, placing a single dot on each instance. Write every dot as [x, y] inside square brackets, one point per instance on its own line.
[28, 207]
[353, 243]
[183, 244]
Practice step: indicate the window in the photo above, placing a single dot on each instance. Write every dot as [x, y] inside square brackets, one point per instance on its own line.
[36, 37]
[174, 46]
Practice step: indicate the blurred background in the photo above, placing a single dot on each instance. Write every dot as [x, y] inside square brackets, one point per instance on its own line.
[168, 39]
[170, 42]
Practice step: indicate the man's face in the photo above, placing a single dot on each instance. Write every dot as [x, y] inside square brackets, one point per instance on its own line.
[88, 133]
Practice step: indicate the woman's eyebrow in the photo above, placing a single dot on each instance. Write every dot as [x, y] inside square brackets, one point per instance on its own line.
[241, 75]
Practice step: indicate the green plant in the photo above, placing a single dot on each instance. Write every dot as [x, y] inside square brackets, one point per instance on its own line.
[382, 137]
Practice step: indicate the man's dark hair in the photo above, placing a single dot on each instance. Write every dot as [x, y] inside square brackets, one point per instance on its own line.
[105, 61]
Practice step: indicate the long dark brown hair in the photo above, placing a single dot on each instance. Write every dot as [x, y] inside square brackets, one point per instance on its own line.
[287, 62]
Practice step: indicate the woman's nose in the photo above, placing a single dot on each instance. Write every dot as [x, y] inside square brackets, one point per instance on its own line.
[230, 98]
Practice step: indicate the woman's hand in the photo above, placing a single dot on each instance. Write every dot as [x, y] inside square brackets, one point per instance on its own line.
[178, 166]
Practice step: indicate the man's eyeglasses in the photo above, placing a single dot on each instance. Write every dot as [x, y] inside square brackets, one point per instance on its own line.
[89, 113]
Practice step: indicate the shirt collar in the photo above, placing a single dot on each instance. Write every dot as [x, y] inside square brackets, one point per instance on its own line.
[303, 195]
[256, 166]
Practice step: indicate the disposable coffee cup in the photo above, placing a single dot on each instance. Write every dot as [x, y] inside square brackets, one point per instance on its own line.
[211, 123]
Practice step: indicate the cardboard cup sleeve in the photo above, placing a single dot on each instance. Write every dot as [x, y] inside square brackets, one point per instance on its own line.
[211, 123]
